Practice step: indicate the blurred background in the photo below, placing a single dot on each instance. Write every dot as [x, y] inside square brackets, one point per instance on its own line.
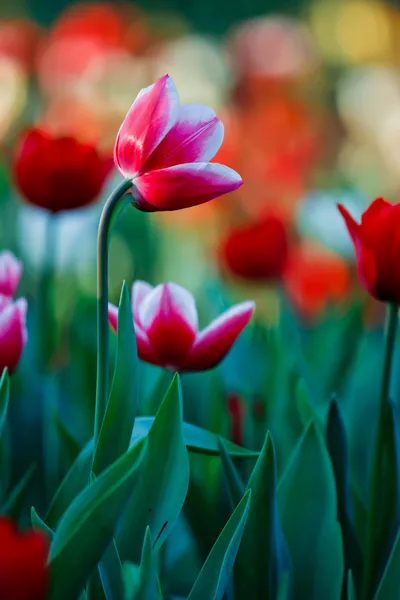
[309, 93]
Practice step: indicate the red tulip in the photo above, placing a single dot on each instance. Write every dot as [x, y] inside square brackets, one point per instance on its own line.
[10, 273]
[377, 245]
[257, 251]
[13, 334]
[167, 329]
[58, 173]
[165, 147]
[23, 556]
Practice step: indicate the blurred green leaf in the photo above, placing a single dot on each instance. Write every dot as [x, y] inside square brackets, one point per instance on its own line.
[337, 447]
[360, 515]
[39, 525]
[263, 556]
[388, 588]
[73, 483]
[142, 583]
[14, 501]
[236, 486]
[117, 426]
[284, 587]
[309, 483]
[110, 570]
[351, 592]
[161, 493]
[214, 576]
[87, 526]
[197, 440]
[69, 444]
[4, 399]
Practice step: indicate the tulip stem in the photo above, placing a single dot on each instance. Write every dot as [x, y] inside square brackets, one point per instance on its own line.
[45, 326]
[111, 210]
[371, 568]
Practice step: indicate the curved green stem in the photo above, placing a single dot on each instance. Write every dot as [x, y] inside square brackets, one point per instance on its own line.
[45, 303]
[111, 210]
[371, 567]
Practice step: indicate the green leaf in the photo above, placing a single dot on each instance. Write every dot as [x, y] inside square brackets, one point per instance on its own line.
[338, 450]
[214, 576]
[197, 440]
[117, 426]
[236, 486]
[351, 592]
[88, 525]
[110, 570]
[307, 507]
[13, 503]
[73, 483]
[143, 583]
[284, 587]
[263, 555]
[161, 493]
[39, 525]
[388, 588]
[4, 398]
[69, 444]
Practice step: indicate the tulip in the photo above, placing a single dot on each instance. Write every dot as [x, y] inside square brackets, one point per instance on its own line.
[167, 332]
[13, 334]
[165, 148]
[257, 251]
[376, 242]
[10, 273]
[58, 173]
[23, 555]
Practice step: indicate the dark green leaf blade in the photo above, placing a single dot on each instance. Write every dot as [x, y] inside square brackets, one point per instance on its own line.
[197, 440]
[236, 486]
[117, 426]
[144, 585]
[263, 556]
[4, 398]
[88, 525]
[214, 576]
[309, 482]
[159, 498]
[388, 588]
[39, 525]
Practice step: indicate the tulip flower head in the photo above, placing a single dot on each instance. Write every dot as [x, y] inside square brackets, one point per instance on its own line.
[376, 242]
[167, 331]
[257, 251]
[58, 173]
[10, 273]
[13, 333]
[23, 555]
[165, 147]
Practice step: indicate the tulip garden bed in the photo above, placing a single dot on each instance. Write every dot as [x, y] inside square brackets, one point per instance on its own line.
[224, 460]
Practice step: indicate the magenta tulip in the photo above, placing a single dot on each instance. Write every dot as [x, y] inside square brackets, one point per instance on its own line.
[165, 147]
[10, 273]
[167, 332]
[13, 333]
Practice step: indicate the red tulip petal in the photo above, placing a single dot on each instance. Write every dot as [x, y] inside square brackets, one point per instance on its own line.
[144, 347]
[13, 334]
[169, 316]
[140, 290]
[149, 119]
[196, 137]
[10, 273]
[185, 185]
[374, 210]
[213, 343]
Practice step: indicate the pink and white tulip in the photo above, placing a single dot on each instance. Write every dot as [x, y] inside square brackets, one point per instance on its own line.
[165, 147]
[10, 273]
[13, 333]
[167, 332]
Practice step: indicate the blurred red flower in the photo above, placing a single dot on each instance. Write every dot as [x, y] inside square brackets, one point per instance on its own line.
[377, 245]
[10, 273]
[257, 250]
[23, 555]
[13, 333]
[236, 414]
[58, 173]
[313, 277]
[19, 40]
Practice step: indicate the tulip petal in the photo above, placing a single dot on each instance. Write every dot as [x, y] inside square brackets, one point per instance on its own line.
[140, 290]
[149, 119]
[169, 316]
[196, 137]
[366, 263]
[213, 343]
[13, 334]
[10, 273]
[144, 348]
[185, 185]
